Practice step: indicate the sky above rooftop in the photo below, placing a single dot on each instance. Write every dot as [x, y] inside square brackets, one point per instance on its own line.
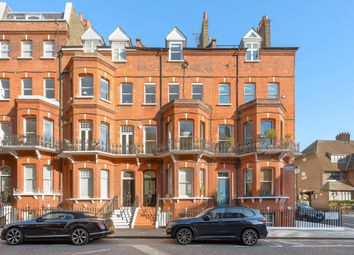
[322, 29]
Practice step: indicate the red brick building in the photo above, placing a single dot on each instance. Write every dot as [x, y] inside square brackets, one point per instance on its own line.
[169, 127]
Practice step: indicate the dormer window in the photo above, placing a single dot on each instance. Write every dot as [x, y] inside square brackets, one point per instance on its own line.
[252, 42]
[91, 40]
[119, 41]
[252, 52]
[175, 42]
[176, 51]
[91, 46]
[118, 51]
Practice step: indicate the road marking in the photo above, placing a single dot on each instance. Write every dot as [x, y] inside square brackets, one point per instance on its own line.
[88, 252]
[276, 246]
[148, 250]
[287, 242]
[322, 245]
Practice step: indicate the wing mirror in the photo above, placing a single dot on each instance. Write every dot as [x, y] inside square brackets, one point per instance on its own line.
[40, 219]
[206, 217]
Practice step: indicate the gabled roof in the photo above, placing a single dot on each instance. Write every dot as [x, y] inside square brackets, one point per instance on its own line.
[252, 34]
[91, 34]
[176, 35]
[119, 35]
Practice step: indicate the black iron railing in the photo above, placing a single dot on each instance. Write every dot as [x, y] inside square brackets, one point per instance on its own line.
[29, 141]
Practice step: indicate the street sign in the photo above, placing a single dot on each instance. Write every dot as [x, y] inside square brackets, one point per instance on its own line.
[331, 215]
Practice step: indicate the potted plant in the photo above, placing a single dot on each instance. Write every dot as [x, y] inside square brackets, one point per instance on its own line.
[270, 134]
[287, 140]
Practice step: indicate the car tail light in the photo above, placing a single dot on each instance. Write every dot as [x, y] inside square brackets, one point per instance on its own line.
[102, 225]
[263, 220]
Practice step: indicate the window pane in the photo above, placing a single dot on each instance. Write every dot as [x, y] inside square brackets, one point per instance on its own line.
[104, 90]
[49, 88]
[127, 88]
[27, 87]
[248, 131]
[186, 128]
[86, 86]
[266, 124]
[250, 92]
[224, 133]
[4, 88]
[176, 56]
[150, 133]
[273, 90]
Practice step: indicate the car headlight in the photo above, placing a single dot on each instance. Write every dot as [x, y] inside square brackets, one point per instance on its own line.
[171, 224]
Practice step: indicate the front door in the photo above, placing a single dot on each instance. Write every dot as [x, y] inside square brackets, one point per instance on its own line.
[223, 188]
[5, 184]
[127, 139]
[149, 188]
[128, 189]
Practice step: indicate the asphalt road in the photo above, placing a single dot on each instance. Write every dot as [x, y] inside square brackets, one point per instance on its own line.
[169, 247]
[348, 220]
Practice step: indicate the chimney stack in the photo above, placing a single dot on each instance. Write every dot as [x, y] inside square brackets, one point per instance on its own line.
[204, 34]
[138, 43]
[264, 31]
[343, 137]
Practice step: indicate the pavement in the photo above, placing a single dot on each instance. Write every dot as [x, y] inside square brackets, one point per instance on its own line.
[273, 233]
[170, 247]
[348, 220]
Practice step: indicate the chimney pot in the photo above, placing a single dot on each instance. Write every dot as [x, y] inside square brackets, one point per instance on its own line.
[138, 43]
[343, 137]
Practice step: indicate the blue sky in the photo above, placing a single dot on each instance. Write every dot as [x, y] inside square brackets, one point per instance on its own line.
[322, 29]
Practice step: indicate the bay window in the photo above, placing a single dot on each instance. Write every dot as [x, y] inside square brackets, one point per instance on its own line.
[248, 182]
[86, 85]
[266, 179]
[185, 134]
[30, 178]
[104, 136]
[48, 133]
[225, 138]
[248, 132]
[104, 90]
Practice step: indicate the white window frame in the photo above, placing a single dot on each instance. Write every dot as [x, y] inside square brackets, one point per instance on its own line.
[46, 180]
[125, 93]
[49, 89]
[191, 182]
[81, 88]
[246, 94]
[4, 90]
[198, 94]
[272, 181]
[90, 177]
[33, 179]
[104, 176]
[51, 141]
[149, 93]
[4, 49]
[252, 47]
[118, 52]
[104, 130]
[49, 49]
[23, 87]
[224, 94]
[26, 53]
[104, 91]
[273, 95]
[149, 141]
[171, 94]
[170, 51]
[87, 127]
[90, 46]
[248, 182]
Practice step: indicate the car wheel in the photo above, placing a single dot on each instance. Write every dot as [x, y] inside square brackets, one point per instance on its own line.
[79, 236]
[249, 237]
[184, 236]
[14, 236]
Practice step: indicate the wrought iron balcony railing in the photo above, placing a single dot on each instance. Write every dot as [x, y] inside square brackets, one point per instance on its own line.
[28, 141]
[267, 145]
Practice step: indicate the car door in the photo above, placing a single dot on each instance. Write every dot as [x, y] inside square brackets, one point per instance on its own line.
[234, 221]
[211, 224]
[49, 225]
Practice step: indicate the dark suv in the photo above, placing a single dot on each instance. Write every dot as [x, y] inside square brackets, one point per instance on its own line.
[221, 222]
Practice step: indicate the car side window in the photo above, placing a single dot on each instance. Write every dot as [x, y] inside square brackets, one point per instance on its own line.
[248, 213]
[58, 216]
[217, 213]
[234, 212]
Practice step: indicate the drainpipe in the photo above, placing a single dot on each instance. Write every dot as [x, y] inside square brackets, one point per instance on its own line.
[60, 55]
[237, 125]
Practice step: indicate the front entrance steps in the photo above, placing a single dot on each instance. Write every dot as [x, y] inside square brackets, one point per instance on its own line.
[145, 218]
[122, 217]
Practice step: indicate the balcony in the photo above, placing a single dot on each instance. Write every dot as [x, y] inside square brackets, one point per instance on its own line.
[264, 144]
[18, 142]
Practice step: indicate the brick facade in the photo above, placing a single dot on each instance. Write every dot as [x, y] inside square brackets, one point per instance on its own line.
[155, 171]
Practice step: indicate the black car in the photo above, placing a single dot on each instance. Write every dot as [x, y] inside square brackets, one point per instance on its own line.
[221, 222]
[305, 212]
[79, 227]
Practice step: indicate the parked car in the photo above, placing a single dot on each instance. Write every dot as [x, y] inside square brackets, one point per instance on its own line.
[79, 227]
[305, 212]
[221, 222]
